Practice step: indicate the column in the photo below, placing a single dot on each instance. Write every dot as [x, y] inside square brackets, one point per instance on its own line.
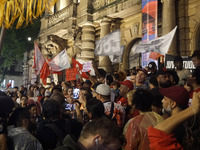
[104, 61]
[88, 41]
[169, 22]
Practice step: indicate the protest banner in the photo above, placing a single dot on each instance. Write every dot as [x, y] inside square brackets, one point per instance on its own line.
[108, 45]
[160, 45]
[149, 27]
[187, 62]
[87, 66]
[70, 74]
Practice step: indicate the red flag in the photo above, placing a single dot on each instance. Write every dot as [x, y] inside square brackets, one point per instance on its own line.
[8, 85]
[76, 64]
[38, 59]
[44, 73]
[155, 55]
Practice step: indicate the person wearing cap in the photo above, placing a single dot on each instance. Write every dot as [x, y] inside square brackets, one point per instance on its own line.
[180, 70]
[175, 100]
[141, 78]
[164, 78]
[112, 109]
[161, 136]
[152, 68]
[124, 88]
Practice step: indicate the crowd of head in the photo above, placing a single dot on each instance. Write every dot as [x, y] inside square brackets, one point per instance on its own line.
[122, 110]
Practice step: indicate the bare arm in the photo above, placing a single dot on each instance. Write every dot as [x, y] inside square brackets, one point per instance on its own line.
[3, 142]
[172, 122]
[78, 112]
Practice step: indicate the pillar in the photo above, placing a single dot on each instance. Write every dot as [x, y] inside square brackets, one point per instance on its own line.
[104, 61]
[169, 22]
[88, 41]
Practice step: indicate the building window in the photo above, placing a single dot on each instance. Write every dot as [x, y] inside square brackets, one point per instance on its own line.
[3, 84]
[12, 83]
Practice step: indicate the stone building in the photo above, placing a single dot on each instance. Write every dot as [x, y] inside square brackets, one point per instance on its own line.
[77, 24]
[14, 75]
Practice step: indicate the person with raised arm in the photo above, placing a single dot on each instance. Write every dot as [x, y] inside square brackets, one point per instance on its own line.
[161, 137]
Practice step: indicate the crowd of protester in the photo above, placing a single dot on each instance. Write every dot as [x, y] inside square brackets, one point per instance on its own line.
[139, 109]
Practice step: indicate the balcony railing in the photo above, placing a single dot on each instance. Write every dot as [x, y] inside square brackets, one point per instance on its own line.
[61, 15]
[101, 4]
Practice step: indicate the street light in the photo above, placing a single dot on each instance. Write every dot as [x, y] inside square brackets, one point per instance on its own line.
[29, 39]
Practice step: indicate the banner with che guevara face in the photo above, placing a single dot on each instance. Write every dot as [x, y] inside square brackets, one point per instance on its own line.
[149, 25]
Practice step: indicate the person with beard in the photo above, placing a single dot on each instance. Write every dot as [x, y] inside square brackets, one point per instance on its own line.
[164, 79]
[161, 136]
[175, 100]
[19, 136]
[180, 70]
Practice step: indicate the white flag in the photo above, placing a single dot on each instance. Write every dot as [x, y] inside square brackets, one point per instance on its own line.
[160, 45]
[118, 57]
[60, 62]
[108, 45]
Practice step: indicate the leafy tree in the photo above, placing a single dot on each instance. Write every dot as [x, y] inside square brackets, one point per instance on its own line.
[15, 44]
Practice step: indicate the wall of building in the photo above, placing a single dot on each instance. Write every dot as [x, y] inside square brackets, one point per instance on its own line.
[80, 24]
[189, 26]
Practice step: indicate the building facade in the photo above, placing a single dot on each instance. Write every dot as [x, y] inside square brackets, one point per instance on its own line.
[14, 75]
[77, 24]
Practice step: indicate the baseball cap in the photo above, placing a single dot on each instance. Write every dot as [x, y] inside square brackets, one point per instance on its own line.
[162, 72]
[142, 69]
[103, 89]
[152, 65]
[128, 83]
[177, 93]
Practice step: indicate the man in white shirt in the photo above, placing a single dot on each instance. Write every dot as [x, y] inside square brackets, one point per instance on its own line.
[180, 70]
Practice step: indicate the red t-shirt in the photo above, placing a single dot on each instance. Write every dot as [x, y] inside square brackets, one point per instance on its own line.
[191, 95]
[122, 101]
[161, 140]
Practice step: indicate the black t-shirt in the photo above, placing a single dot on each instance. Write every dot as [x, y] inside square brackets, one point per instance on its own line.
[48, 137]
